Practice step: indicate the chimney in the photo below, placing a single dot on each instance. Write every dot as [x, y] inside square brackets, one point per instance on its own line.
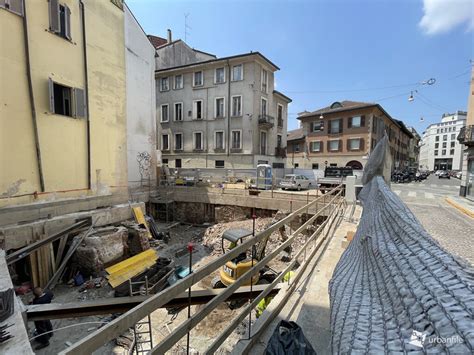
[170, 39]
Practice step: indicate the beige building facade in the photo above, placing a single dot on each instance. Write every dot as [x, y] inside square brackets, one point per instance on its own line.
[62, 99]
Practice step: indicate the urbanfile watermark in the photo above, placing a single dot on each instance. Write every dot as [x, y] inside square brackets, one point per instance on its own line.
[420, 339]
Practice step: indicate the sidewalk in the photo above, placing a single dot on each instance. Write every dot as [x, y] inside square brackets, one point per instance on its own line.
[462, 204]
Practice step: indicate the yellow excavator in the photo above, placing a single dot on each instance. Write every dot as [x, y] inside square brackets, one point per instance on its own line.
[238, 266]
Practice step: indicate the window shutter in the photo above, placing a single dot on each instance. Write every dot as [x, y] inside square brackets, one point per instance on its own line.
[51, 95]
[80, 103]
[328, 146]
[54, 15]
[68, 22]
[311, 127]
[349, 122]
[340, 145]
[348, 145]
[362, 121]
[329, 128]
[16, 6]
[362, 144]
[340, 125]
[321, 147]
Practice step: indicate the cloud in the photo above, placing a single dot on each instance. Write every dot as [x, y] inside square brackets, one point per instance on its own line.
[443, 15]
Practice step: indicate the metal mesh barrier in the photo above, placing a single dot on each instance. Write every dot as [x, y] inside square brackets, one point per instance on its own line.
[395, 289]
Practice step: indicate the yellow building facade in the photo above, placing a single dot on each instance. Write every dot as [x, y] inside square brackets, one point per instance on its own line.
[62, 99]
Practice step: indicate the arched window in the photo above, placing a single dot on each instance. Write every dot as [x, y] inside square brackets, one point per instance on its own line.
[354, 164]
[336, 104]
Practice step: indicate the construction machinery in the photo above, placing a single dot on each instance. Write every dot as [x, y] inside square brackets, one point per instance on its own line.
[238, 266]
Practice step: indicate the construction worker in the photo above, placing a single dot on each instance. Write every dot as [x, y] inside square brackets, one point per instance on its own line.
[263, 304]
[43, 327]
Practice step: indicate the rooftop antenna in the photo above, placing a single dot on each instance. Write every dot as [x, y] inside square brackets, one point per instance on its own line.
[186, 27]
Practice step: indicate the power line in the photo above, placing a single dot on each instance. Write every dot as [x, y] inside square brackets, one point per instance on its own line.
[353, 90]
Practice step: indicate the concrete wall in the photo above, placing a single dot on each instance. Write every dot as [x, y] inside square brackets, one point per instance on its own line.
[63, 140]
[178, 53]
[141, 112]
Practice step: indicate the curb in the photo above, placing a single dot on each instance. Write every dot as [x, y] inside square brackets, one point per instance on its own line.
[459, 207]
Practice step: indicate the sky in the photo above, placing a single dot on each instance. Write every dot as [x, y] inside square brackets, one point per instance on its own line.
[334, 50]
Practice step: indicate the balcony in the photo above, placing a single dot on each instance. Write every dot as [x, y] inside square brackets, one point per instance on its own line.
[466, 135]
[265, 121]
[280, 152]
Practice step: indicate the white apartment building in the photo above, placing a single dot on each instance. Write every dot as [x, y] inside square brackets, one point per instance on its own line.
[439, 147]
[218, 112]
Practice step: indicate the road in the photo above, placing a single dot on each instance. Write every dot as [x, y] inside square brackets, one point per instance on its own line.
[451, 228]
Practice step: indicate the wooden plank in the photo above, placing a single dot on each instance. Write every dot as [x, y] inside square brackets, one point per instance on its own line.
[117, 326]
[33, 268]
[23, 252]
[62, 246]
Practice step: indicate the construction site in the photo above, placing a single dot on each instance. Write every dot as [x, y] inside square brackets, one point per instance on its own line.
[226, 267]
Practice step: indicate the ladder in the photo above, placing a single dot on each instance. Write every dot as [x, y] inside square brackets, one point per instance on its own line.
[142, 330]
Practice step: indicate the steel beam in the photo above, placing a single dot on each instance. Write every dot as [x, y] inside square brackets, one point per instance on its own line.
[123, 304]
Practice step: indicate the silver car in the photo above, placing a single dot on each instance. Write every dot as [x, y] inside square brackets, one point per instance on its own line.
[295, 182]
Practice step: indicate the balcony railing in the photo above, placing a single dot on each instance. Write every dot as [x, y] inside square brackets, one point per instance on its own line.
[466, 135]
[266, 121]
[280, 152]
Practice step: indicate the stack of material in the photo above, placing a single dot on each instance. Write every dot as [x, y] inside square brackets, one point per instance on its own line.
[395, 289]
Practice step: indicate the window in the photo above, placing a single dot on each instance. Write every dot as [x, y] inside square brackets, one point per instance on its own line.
[280, 115]
[451, 152]
[263, 143]
[164, 161]
[236, 140]
[237, 72]
[296, 147]
[165, 142]
[219, 76]
[333, 145]
[453, 136]
[219, 140]
[178, 141]
[437, 138]
[60, 19]
[317, 126]
[236, 106]
[220, 163]
[333, 165]
[177, 163]
[296, 165]
[264, 80]
[436, 152]
[178, 111]
[445, 144]
[164, 84]
[164, 113]
[315, 166]
[279, 140]
[219, 107]
[354, 144]
[178, 82]
[263, 108]
[436, 145]
[15, 6]
[335, 126]
[445, 137]
[453, 144]
[355, 122]
[443, 152]
[67, 101]
[315, 146]
[197, 109]
[198, 79]
[197, 140]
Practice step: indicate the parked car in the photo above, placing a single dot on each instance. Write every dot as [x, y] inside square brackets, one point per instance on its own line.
[437, 172]
[444, 175]
[458, 175]
[295, 182]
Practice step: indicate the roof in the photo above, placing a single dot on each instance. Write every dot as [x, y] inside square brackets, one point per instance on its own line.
[276, 92]
[404, 128]
[337, 106]
[157, 41]
[207, 53]
[221, 59]
[295, 134]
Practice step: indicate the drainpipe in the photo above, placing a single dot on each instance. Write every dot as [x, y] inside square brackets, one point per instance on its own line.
[32, 99]
[229, 111]
[86, 90]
